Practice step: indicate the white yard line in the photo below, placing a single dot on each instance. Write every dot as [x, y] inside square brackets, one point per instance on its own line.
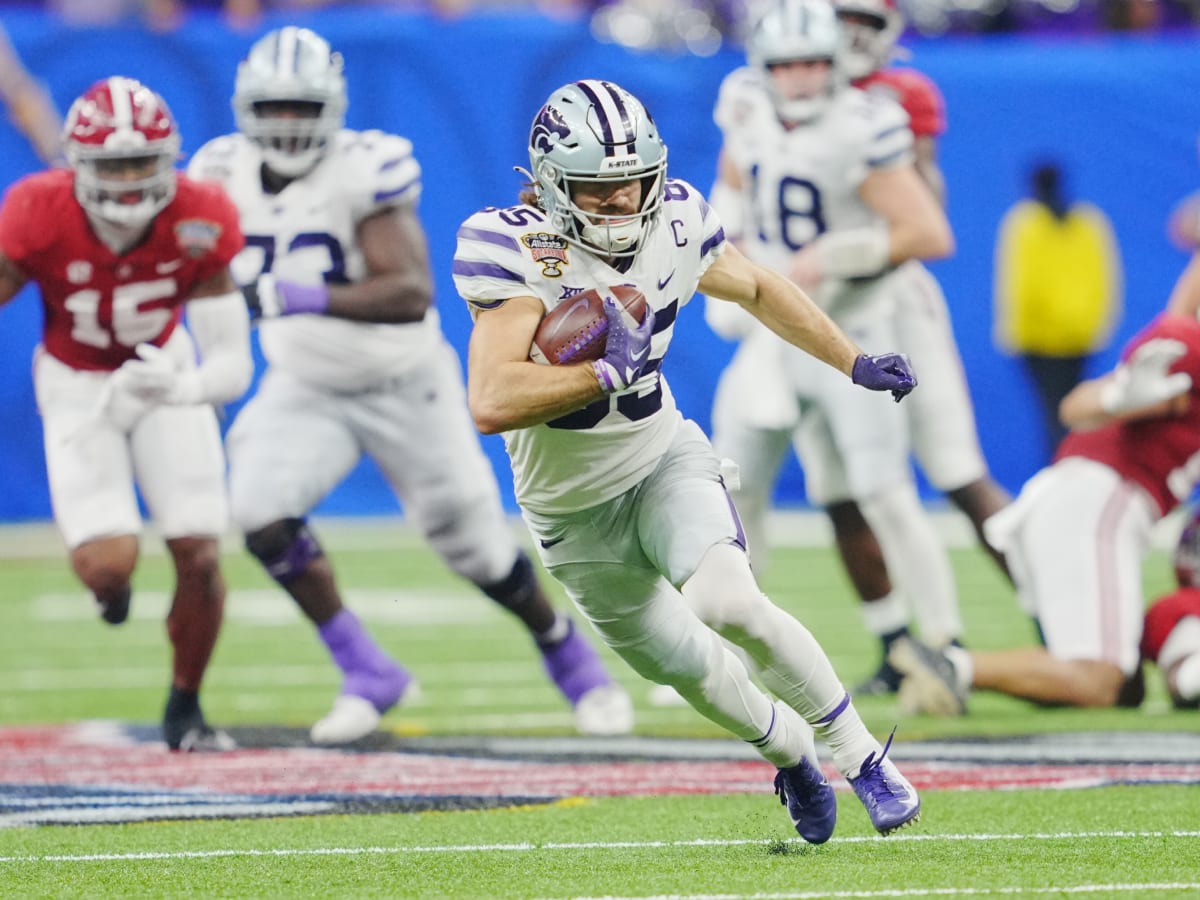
[530, 847]
[927, 892]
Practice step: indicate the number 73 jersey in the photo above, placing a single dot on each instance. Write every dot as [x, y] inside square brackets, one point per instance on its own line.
[98, 304]
[308, 233]
[597, 452]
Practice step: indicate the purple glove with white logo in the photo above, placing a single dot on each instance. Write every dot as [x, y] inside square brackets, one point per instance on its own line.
[269, 297]
[627, 350]
[886, 372]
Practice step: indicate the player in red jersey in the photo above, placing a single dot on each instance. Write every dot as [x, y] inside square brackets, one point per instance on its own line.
[1171, 633]
[119, 245]
[1076, 536]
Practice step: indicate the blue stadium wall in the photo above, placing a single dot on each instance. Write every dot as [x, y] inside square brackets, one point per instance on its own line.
[1121, 113]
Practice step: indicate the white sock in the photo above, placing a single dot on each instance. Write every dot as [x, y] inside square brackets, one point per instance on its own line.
[789, 740]
[848, 739]
[964, 665]
[886, 615]
[916, 560]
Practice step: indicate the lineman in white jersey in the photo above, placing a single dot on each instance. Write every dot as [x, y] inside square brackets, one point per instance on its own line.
[624, 494]
[819, 178]
[337, 268]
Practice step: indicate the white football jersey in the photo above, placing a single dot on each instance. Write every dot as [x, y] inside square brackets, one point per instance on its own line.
[803, 181]
[598, 452]
[307, 233]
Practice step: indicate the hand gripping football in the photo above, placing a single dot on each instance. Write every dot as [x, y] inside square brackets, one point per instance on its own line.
[577, 330]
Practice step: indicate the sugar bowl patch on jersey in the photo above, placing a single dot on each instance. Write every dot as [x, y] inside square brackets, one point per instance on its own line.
[197, 236]
[549, 250]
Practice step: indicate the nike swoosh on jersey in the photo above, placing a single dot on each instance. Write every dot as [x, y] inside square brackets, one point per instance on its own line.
[547, 544]
[662, 284]
[165, 268]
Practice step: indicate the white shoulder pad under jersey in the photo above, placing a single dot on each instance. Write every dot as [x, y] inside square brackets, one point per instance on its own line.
[598, 452]
[744, 103]
[308, 233]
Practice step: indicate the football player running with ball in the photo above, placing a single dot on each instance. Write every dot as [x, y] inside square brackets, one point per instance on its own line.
[336, 268]
[624, 494]
[119, 246]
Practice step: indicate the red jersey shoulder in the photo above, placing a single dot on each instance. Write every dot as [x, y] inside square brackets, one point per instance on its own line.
[204, 221]
[34, 210]
[1168, 326]
[916, 92]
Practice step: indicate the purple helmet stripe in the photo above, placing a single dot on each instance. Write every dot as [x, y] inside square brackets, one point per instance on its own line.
[601, 114]
[623, 111]
[620, 131]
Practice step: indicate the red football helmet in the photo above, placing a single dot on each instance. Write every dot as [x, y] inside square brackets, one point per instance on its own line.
[122, 142]
[1187, 553]
[870, 29]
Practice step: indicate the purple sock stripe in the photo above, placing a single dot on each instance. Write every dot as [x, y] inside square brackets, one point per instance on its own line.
[770, 728]
[838, 710]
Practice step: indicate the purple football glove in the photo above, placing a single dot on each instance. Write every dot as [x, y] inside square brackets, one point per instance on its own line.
[269, 297]
[627, 349]
[885, 372]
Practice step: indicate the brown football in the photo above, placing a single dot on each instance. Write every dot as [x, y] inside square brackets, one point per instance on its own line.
[577, 330]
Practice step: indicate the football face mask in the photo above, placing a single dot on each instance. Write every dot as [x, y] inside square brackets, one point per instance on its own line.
[290, 99]
[122, 143]
[594, 144]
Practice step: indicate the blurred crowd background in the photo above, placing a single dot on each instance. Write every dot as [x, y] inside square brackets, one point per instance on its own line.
[698, 26]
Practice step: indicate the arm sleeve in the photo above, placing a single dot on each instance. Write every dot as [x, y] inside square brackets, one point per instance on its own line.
[220, 326]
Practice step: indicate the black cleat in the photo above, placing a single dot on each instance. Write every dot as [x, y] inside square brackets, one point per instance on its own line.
[116, 611]
[883, 681]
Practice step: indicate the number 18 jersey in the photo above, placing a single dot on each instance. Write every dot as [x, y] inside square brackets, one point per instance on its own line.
[802, 181]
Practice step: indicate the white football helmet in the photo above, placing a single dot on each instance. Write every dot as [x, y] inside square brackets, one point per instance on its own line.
[870, 29]
[591, 131]
[290, 66]
[794, 31]
[116, 124]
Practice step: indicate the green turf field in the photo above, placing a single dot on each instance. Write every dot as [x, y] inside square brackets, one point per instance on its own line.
[479, 677]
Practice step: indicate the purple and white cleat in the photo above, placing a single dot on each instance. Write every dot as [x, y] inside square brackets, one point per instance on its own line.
[890, 800]
[809, 800]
